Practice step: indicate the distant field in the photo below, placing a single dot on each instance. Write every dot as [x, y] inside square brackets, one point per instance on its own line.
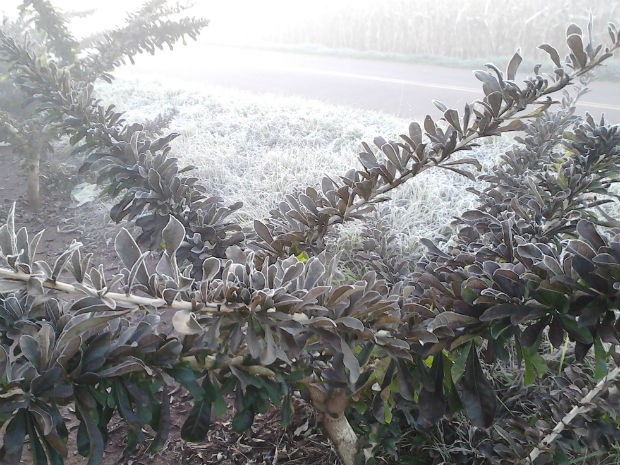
[469, 29]
[258, 148]
[444, 32]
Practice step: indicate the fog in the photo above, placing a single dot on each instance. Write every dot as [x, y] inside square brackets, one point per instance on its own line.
[400, 42]
[470, 28]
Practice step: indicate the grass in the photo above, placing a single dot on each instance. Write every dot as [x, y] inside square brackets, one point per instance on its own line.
[258, 148]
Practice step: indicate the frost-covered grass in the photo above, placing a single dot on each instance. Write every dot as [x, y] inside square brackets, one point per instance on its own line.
[258, 148]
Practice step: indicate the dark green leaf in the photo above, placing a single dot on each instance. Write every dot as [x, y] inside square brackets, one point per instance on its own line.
[576, 45]
[451, 320]
[553, 53]
[581, 350]
[578, 333]
[452, 117]
[286, 411]
[556, 332]
[263, 231]
[440, 106]
[350, 361]
[476, 393]
[495, 100]
[432, 248]
[351, 323]
[4, 360]
[14, 436]
[210, 267]
[188, 378]
[268, 354]
[368, 160]
[554, 299]
[605, 331]
[198, 421]
[36, 448]
[81, 324]
[600, 359]
[123, 404]
[513, 66]
[535, 365]
[89, 305]
[432, 402]
[242, 421]
[490, 83]
[88, 418]
[514, 125]
[30, 348]
[429, 125]
[62, 261]
[588, 232]
[532, 333]
[129, 253]
[173, 234]
[314, 271]
[458, 367]
[415, 133]
[499, 311]
[129, 365]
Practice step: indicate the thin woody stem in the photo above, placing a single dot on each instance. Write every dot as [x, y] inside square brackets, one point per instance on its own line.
[582, 407]
[127, 299]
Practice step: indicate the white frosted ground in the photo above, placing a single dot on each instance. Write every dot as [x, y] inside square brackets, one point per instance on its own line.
[257, 148]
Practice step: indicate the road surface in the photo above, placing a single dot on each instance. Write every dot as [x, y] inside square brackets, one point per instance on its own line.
[397, 88]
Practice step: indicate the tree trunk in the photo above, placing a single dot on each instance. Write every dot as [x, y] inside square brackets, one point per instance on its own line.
[332, 406]
[32, 173]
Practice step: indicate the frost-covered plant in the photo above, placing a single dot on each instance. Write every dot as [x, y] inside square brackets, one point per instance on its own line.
[32, 128]
[258, 314]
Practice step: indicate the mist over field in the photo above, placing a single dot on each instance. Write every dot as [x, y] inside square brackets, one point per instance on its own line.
[466, 29]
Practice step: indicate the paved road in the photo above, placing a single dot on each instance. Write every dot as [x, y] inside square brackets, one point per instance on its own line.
[401, 89]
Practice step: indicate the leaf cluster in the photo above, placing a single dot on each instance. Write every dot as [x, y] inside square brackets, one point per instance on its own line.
[52, 25]
[40, 54]
[154, 25]
[258, 313]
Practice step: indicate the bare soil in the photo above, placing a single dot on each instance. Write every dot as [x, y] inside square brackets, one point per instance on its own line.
[301, 443]
[62, 221]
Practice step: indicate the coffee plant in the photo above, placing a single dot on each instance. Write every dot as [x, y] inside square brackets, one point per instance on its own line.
[32, 129]
[260, 315]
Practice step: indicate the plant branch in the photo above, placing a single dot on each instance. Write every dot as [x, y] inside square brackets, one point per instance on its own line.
[123, 299]
[584, 405]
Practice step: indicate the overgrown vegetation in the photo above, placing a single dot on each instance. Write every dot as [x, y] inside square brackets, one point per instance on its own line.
[31, 129]
[258, 314]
